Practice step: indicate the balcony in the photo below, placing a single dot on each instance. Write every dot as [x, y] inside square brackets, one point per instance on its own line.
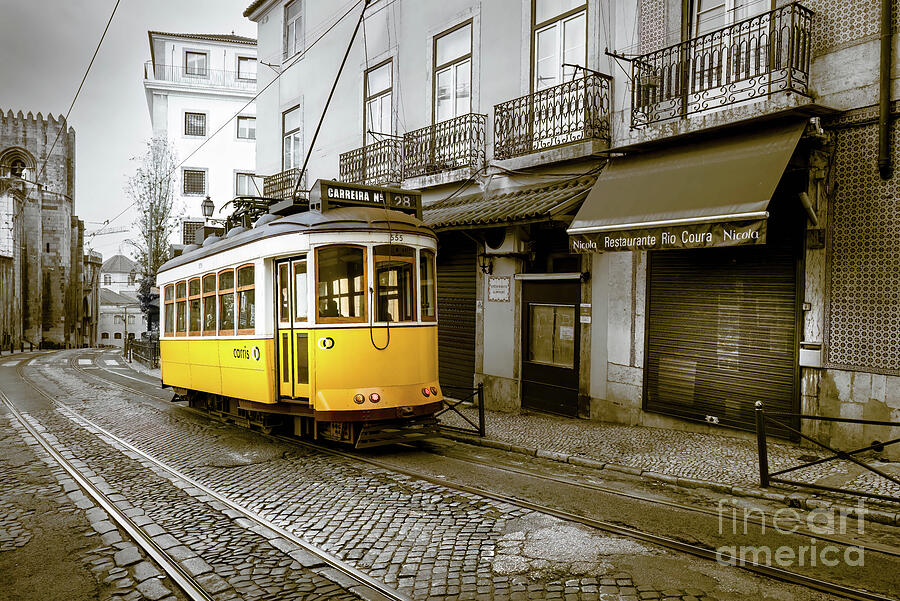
[205, 78]
[377, 164]
[446, 146]
[574, 111]
[757, 57]
[281, 185]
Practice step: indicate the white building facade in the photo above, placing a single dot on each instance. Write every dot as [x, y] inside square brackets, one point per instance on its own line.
[196, 84]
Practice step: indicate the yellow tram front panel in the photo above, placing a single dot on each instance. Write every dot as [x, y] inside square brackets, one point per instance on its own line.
[345, 363]
[240, 368]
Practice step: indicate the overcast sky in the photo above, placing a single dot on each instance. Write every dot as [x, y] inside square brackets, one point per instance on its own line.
[45, 46]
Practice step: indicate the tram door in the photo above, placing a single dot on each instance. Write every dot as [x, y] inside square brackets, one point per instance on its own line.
[292, 335]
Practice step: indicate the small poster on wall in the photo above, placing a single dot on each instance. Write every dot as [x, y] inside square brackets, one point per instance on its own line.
[498, 289]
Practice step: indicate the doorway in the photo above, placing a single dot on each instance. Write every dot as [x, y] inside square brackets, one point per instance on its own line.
[292, 328]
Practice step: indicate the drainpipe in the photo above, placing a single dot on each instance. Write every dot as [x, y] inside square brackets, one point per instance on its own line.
[884, 159]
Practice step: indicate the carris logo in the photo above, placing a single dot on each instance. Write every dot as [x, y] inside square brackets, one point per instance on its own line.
[326, 343]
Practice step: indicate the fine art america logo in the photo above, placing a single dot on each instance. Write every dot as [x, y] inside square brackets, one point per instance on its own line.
[818, 522]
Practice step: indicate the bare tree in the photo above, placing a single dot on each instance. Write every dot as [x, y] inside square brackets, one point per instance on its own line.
[152, 190]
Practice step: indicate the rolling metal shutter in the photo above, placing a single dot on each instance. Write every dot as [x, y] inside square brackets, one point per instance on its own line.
[722, 334]
[456, 267]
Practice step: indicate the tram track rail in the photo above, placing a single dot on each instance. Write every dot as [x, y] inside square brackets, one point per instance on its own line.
[706, 553]
[179, 575]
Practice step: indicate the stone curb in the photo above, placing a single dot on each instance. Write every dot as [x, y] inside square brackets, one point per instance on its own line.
[791, 499]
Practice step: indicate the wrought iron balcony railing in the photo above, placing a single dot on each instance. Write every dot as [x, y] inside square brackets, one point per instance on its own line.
[281, 185]
[756, 57]
[196, 77]
[376, 164]
[451, 144]
[573, 111]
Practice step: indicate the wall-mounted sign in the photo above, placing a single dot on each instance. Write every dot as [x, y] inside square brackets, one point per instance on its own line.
[326, 194]
[498, 289]
[695, 235]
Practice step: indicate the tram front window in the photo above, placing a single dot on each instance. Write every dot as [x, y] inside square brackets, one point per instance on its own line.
[395, 283]
[341, 284]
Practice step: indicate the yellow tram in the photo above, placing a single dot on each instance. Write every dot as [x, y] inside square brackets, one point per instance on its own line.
[323, 321]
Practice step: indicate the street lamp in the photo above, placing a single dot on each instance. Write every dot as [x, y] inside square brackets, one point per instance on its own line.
[207, 207]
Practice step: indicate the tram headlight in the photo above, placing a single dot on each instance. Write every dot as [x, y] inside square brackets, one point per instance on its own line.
[359, 399]
[374, 397]
[433, 390]
[426, 392]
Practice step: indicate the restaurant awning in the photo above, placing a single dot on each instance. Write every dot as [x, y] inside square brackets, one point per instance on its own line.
[524, 204]
[703, 194]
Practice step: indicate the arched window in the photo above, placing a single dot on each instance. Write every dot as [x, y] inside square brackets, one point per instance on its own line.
[17, 162]
[17, 168]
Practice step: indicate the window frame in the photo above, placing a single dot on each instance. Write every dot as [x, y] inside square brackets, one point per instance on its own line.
[299, 40]
[182, 301]
[219, 294]
[365, 286]
[185, 123]
[237, 71]
[203, 53]
[204, 296]
[436, 68]
[414, 294]
[107, 279]
[238, 289]
[191, 298]
[304, 260]
[253, 187]
[545, 24]
[284, 134]
[169, 308]
[433, 253]
[184, 171]
[369, 96]
[237, 131]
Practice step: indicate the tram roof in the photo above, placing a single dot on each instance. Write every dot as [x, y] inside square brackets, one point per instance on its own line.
[339, 219]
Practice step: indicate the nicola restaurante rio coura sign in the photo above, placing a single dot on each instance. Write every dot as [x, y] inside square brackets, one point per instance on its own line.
[695, 235]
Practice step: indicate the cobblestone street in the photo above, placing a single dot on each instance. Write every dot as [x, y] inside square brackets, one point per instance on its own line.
[423, 539]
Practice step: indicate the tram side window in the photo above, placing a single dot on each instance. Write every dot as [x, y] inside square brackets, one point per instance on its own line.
[209, 304]
[226, 302]
[170, 310]
[427, 285]
[180, 308]
[246, 301]
[341, 284]
[395, 283]
[300, 288]
[284, 291]
[194, 307]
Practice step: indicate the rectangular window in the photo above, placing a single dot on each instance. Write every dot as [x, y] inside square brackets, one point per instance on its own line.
[244, 185]
[293, 28]
[395, 283]
[194, 182]
[377, 102]
[194, 307]
[246, 128]
[427, 285]
[246, 68]
[300, 288]
[246, 301]
[209, 304]
[180, 309]
[195, 124]
[341, 284]
[284, 292]
[169, 296]
[711, 15]
[196, 64]
[226, 302]
[560, 36]
[453, 73]
[291, 126]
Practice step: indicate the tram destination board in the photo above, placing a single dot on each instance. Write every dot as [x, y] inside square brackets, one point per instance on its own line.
[329, 194]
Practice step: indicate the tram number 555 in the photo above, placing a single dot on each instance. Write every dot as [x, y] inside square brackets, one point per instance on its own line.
[396, 237]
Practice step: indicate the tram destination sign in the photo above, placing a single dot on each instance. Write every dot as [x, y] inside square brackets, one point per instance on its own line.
[695, 235]
[328, 194]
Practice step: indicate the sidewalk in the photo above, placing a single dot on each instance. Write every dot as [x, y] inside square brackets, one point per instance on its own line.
[718, 461]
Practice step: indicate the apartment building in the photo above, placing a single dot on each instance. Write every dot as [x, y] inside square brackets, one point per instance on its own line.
[650, 212]
[195, 84]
